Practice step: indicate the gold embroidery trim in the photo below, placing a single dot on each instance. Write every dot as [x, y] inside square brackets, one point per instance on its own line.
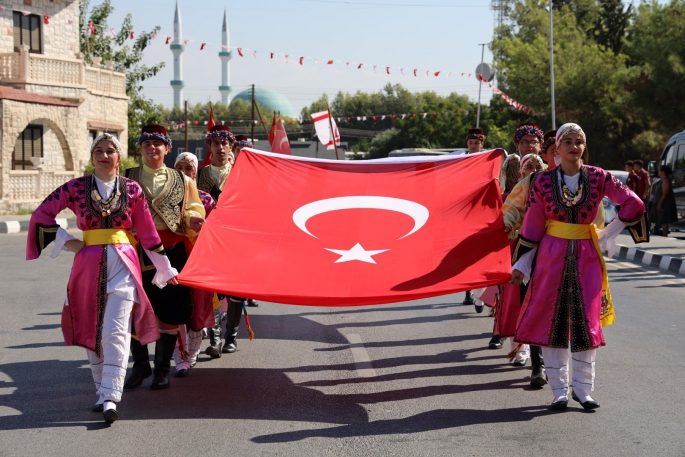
[640, 234]
[41, 235]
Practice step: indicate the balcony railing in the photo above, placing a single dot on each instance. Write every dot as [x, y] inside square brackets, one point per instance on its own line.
[27, 68]
[32, 185]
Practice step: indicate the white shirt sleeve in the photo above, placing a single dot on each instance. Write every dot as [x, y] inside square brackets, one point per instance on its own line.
[164, 269]
[525, 264]
[62, 237]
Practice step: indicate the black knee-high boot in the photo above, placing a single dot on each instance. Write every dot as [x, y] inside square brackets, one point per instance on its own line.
[233, 315]
[164, 351]
[538, 377]
[141, 366]
[214, 334]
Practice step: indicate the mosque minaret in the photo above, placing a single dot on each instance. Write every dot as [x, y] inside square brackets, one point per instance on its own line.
[177, 47]
[225, 56]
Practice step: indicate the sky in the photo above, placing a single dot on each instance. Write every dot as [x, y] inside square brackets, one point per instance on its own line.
[434, 35]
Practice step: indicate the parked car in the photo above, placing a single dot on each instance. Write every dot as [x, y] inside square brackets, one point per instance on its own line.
[610, 208]
[673, 156]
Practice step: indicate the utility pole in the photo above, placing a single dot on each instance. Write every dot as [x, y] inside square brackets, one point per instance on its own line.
[185, 124]
[480, 82]
[551, 65]
[252, 136]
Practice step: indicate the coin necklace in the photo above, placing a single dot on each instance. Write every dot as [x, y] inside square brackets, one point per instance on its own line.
[105, 206]
[570, 198]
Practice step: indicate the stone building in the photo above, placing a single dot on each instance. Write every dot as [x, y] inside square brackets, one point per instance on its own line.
[51, 102]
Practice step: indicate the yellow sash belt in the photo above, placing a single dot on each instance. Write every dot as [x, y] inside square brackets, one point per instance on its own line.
[587, 232]
[108, 236]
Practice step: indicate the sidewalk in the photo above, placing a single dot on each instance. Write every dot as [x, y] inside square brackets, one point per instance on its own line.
[16, 224]
[667, 254]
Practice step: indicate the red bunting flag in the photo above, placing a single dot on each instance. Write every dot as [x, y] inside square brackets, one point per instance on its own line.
[272, 55]
[301, 60]
[202, 46]
[111, 31]
[436, 73]
[362, 232]
[316, 61]
[46, 19]
[153, 36]
[402, 71]
[387, 70]
[330, 62]
[347, 64]
[254, 54]
[167, 40]
[132, 32]
[374, 68]
[240, 52]
[285, 57]
[91, 26]
[360, 65]
[415, 70]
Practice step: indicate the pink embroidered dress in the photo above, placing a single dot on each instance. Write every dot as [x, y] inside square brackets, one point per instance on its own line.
[82, 314]
[564, 300]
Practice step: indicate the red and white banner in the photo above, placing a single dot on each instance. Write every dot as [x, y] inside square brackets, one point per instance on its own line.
[323, 123]
[332, 233]
[280, 143]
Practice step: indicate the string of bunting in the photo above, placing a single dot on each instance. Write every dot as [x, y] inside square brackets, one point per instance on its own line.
[288, 58]
[341, 120]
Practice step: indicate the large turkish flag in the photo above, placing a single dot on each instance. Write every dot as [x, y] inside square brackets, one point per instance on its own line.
[327, 233]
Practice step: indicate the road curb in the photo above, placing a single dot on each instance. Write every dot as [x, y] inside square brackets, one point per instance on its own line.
[23, 226]
[650, 259]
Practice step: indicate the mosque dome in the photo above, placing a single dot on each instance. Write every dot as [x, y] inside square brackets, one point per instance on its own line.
[267, 97]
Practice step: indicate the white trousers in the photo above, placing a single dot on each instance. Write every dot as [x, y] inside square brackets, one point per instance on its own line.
[557, 366]
[192, 341]
[109, 370]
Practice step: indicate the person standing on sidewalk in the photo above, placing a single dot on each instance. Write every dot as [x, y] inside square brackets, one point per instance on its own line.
[568, 298]
[643, 183]
[631, 181]
[666, 209]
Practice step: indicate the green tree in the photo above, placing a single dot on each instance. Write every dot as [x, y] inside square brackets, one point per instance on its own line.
[126, 58]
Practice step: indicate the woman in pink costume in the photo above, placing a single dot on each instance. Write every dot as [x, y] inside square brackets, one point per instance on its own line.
[105, 293]
[568, 296]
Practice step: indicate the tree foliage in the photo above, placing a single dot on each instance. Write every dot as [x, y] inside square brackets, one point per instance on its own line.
[619, 73]
[125, 57]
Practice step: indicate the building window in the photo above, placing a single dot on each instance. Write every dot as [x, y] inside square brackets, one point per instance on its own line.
[29, 144]
[27, 32]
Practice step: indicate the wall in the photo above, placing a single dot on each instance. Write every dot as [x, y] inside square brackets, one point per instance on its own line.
[60, 37]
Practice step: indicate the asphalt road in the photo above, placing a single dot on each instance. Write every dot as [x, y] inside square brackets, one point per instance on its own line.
[408, 379]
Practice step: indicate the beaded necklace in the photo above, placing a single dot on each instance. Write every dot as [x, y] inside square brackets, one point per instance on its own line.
[105, 206]
[570, 198]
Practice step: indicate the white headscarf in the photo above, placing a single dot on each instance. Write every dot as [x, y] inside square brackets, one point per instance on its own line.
[187, 157]
[567, 129]
[108, 137]
[503, 170]
[534, 157]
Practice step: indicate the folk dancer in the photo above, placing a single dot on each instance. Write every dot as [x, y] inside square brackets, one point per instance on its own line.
[178, 213]
[188, 347]
[219, 141]
[475, 139]
[105, 294]
[568, 298]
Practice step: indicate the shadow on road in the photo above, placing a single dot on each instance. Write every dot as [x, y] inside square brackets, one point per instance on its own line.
[431, 420]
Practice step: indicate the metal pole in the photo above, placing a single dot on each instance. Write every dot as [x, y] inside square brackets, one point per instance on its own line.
[551, 65]
[252, 136]
[480, 83]
[186, 127]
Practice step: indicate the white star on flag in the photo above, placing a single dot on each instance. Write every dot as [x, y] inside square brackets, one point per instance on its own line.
[356, 253]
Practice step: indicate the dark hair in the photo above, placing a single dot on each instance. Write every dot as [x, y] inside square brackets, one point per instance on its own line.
[666, 169]
[639, 162]
[629, 163]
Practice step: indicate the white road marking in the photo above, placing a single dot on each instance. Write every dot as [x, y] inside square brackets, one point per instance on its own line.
[666, 278]
[361, 358]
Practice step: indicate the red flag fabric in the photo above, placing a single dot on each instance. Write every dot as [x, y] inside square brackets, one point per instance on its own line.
[209, 157]
[272, 132]
[348, 233]
[280, 143]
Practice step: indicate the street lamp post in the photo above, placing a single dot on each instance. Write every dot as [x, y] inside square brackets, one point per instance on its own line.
[551, 64]
[480, 84]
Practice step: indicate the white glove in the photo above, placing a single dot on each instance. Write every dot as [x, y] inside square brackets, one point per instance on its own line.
[607, 236]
